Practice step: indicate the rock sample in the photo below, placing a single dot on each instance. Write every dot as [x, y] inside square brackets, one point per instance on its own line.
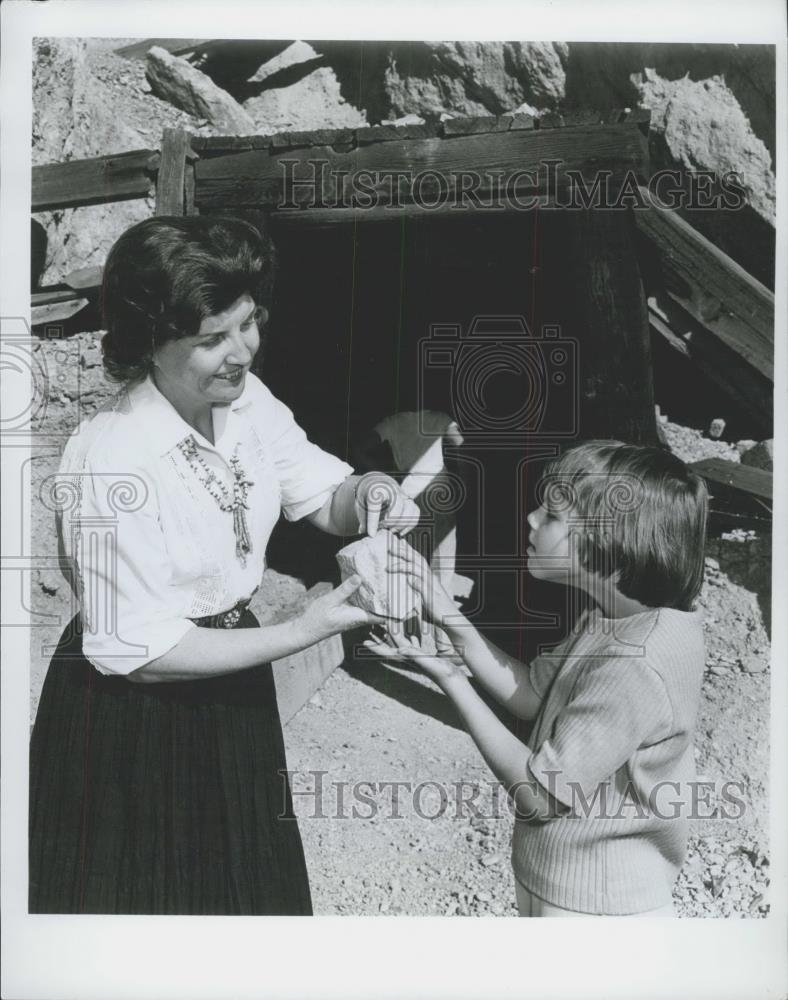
[175, 80]
[390, 595]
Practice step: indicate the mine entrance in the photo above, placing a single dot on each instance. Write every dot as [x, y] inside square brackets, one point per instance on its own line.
[486, 319]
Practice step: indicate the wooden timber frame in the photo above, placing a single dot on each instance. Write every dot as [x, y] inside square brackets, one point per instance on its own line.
[710, 309]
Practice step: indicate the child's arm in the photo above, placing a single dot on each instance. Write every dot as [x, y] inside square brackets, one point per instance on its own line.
[505, 755]
[506, 679]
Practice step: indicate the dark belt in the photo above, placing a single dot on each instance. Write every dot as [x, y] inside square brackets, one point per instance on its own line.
[224, 619]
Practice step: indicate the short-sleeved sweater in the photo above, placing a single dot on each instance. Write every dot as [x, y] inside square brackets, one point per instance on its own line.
[613, 742]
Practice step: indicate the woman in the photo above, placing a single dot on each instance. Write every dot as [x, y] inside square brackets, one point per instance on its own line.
[157, 762]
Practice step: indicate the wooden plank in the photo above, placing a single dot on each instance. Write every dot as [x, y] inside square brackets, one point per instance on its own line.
[756, 482]
[170, 184]
[321, 137]
[46, 296]
[482, 124]
[177, 46]
[297, 677]
[393, 133]
[712, 287]
[95, 181]
[583, 116]
[259, 178]
[56, 312]
[747, 388]
[214, 145]
[659, 324]
[327, 217]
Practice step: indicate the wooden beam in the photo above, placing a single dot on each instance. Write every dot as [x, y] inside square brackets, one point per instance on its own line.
[56, 311]
[756, 482]
[170, 185]
[326, 217]
[261, 178]
[177, 46]
[299, 676]
[96, 181]
[608, 312]
[712, 288]
[47, 296]
[747, 388]
[475, 126]
[450, 128]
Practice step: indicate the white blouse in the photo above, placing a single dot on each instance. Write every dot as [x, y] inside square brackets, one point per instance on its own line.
[149, 546]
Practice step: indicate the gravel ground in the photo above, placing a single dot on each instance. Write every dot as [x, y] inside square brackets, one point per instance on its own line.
[438, 844]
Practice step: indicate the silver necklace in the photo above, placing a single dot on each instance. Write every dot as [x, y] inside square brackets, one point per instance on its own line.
[234, 503]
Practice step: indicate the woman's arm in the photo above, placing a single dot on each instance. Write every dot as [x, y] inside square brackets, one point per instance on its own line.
[360, 503]
[210, 652]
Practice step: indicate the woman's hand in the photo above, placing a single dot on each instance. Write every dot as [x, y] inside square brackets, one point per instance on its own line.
[403, 558]
[333, 613]
[380, 502]
[396, 647]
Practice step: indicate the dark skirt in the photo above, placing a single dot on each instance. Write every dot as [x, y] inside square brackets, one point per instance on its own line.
[161, 798]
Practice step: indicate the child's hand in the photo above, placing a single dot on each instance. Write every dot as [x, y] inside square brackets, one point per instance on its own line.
[396, 647]
[403, 558]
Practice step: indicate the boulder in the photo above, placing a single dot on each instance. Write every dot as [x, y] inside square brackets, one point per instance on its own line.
[761, 456]
[382, 593]
[75, 117]
[704, 128]
[293, 56]
[473, 78]
[175, 80]
[303, 104]
[601, 74]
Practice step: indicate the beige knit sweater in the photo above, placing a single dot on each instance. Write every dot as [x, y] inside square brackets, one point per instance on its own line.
[613, 744]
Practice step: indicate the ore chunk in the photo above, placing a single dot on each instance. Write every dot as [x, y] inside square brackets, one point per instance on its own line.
[388, 594]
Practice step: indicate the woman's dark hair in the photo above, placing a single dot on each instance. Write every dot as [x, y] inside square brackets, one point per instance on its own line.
[639, 515]
[165, 275]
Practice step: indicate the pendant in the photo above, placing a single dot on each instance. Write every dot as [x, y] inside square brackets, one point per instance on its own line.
[243, 543]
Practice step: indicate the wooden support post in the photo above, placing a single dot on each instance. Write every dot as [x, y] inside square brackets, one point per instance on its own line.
[189, 207]
[610, 319]
[171, 183]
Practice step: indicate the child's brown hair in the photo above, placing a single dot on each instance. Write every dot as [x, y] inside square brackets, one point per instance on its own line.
[639, 515]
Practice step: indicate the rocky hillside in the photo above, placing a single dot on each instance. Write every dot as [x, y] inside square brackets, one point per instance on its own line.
[713, 108]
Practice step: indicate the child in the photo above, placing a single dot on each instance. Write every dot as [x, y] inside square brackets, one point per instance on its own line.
[601, 789]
